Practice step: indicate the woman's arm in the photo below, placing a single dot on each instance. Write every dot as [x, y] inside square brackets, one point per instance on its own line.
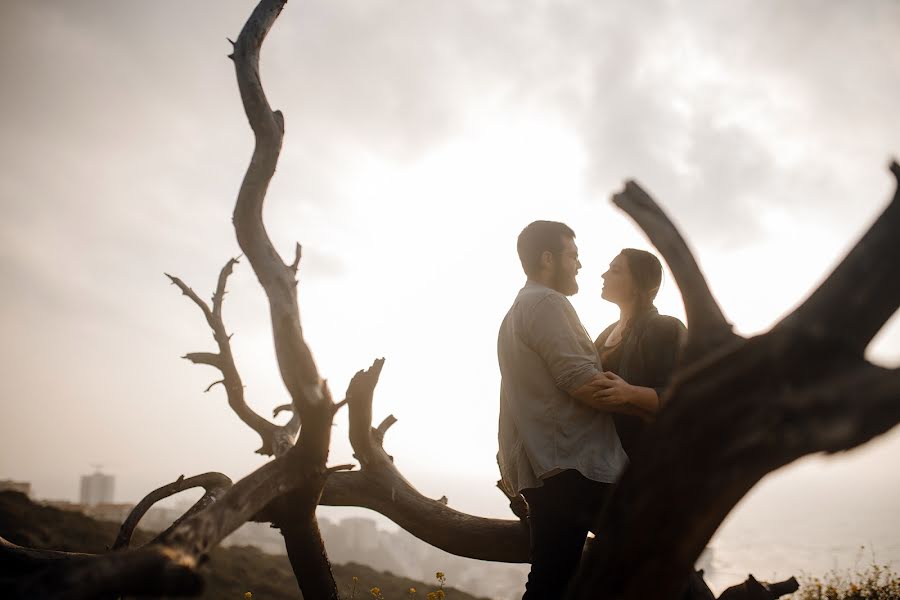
[614, 394]
[659, 346]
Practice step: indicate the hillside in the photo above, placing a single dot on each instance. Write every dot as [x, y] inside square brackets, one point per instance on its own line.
[229, 573]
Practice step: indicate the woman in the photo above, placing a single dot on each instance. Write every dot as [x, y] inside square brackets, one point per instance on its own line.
[638, 351]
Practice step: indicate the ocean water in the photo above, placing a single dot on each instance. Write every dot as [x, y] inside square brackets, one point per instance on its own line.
[808, 524]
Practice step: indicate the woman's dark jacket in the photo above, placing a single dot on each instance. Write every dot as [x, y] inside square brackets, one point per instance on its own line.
[645, 357]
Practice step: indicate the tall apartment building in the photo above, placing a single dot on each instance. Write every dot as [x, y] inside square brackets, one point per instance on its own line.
[97, 488]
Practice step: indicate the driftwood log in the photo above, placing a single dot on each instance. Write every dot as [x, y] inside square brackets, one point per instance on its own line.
[760, 590]
[737, 410]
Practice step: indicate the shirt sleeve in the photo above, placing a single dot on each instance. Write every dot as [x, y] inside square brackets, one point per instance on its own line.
[556, 334]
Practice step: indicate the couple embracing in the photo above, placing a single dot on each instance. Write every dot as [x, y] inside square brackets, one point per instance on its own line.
[573, 408]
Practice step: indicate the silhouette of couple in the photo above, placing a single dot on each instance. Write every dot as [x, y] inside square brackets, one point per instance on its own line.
[571, 408]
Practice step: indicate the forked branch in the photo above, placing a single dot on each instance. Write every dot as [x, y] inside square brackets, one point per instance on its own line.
[276, 439]
[379, 486]
[214, 485]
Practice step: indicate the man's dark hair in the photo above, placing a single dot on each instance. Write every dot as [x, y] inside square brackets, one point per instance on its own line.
[537, 238]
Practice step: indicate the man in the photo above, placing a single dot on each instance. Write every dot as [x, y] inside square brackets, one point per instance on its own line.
[558, 445]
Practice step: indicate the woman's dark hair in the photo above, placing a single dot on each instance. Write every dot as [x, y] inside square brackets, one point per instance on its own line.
[537, 238]
[646, 271]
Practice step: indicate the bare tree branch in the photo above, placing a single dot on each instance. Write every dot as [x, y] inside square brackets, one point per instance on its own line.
[295, 361]
[863, 292]
[298, 251]
[214, 384]
[190, 293]
[282, 408]
[206, 358]
[379, 486]
[313, 405]
[219, 295]
[359, 403]
[382, 428]
[707, 326]
[384, 490]
[276, 439]
[215, 485]
[752, 589]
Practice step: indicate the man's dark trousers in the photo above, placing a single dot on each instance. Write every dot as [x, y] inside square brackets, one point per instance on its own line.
[560, 514]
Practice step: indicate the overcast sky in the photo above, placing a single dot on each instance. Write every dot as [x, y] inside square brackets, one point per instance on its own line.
[421, 136]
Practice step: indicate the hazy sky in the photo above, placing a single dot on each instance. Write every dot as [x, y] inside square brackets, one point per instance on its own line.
[421, 137]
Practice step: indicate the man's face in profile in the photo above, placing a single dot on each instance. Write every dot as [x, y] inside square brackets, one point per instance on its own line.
[565, 268]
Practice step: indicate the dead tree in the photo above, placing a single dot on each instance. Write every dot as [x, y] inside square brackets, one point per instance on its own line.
[738, 409]
[290, 486]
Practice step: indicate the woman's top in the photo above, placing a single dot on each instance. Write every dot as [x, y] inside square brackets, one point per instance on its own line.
[645, 356]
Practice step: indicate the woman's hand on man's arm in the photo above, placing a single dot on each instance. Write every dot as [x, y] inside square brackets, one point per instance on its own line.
[610, 393]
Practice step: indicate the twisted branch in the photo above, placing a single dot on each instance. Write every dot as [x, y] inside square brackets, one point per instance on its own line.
[295, 361]
[214, 484]
[707, 326]
[310, 396]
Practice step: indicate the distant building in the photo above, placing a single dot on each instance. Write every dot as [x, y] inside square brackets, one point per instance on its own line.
[97, 489]
[360, 533]
[16, 486]
[108, 512]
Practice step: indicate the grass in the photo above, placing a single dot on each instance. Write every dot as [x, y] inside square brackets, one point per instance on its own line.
[877, 582]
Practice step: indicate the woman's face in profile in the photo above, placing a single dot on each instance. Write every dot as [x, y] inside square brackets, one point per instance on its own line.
[618, 284]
